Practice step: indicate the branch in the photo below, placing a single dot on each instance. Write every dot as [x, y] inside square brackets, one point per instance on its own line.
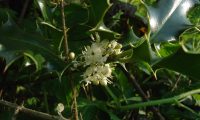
[75, 108]
[23, 11]
[141, 92]
[30, 111]
[66, 55]
[174, 99]
[64, 29]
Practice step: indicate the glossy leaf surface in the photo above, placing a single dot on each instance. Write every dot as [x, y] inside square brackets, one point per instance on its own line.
[168, 18]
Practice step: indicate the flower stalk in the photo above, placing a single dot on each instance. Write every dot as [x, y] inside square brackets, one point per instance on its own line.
[174, 100]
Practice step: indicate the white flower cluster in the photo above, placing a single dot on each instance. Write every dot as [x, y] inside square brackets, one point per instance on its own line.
[98, 74]
[95, 57]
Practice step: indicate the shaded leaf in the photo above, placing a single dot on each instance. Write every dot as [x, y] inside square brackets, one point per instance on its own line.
[168, 18]
[144, 53]
[15, 42]
[104, 31]
[121, 18]
[113, 116]
[75, 15]
[97, 10]
[125, 87]
[7, 114]
[89, 112]
[185, 63]
[5, 14]
[89, 109]
[131, 39]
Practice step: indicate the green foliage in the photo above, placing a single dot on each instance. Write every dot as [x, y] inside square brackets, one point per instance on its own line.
[182, 62]
[168, 19]
[35, 72]
[44, 9]
[28, 44]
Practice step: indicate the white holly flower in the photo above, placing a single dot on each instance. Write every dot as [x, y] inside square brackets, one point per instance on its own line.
[95, 58]
[95, 54]
[106, 70]
[98, 74]
[114, 48]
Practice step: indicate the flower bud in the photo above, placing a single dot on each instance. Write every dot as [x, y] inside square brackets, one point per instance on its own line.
[95, 82]
[113, 44]
[103, 82]
[118, 46]
[60, 107]
[71, 55]
[107, 70]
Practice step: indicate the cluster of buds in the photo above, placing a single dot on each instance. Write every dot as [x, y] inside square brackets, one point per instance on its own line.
[95, 58]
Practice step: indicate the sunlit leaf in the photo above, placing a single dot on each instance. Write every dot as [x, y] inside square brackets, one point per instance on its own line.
[190, 41]
[194, 15]
[44, 9]
[167, 49]
[196, 97]
[168, 18]
[146, 67]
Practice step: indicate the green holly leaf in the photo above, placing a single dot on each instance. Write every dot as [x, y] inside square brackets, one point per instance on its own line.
[75, 15]
[168, 18]
[167, 48]
[182, 62]
[15, 43]
[190, 41]
[97, 10]
[196, 97]
[131, 39]
[144, 53]
[42, 4]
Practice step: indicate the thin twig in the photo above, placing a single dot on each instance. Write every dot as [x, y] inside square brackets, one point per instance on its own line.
[170, 100]
[75, 102]
[64, 29]
[175, 85]
[141, 92]
[22, 14]
[66, 55]
[74, 105]
[15, 113]
[30, 111]
[144, 96]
